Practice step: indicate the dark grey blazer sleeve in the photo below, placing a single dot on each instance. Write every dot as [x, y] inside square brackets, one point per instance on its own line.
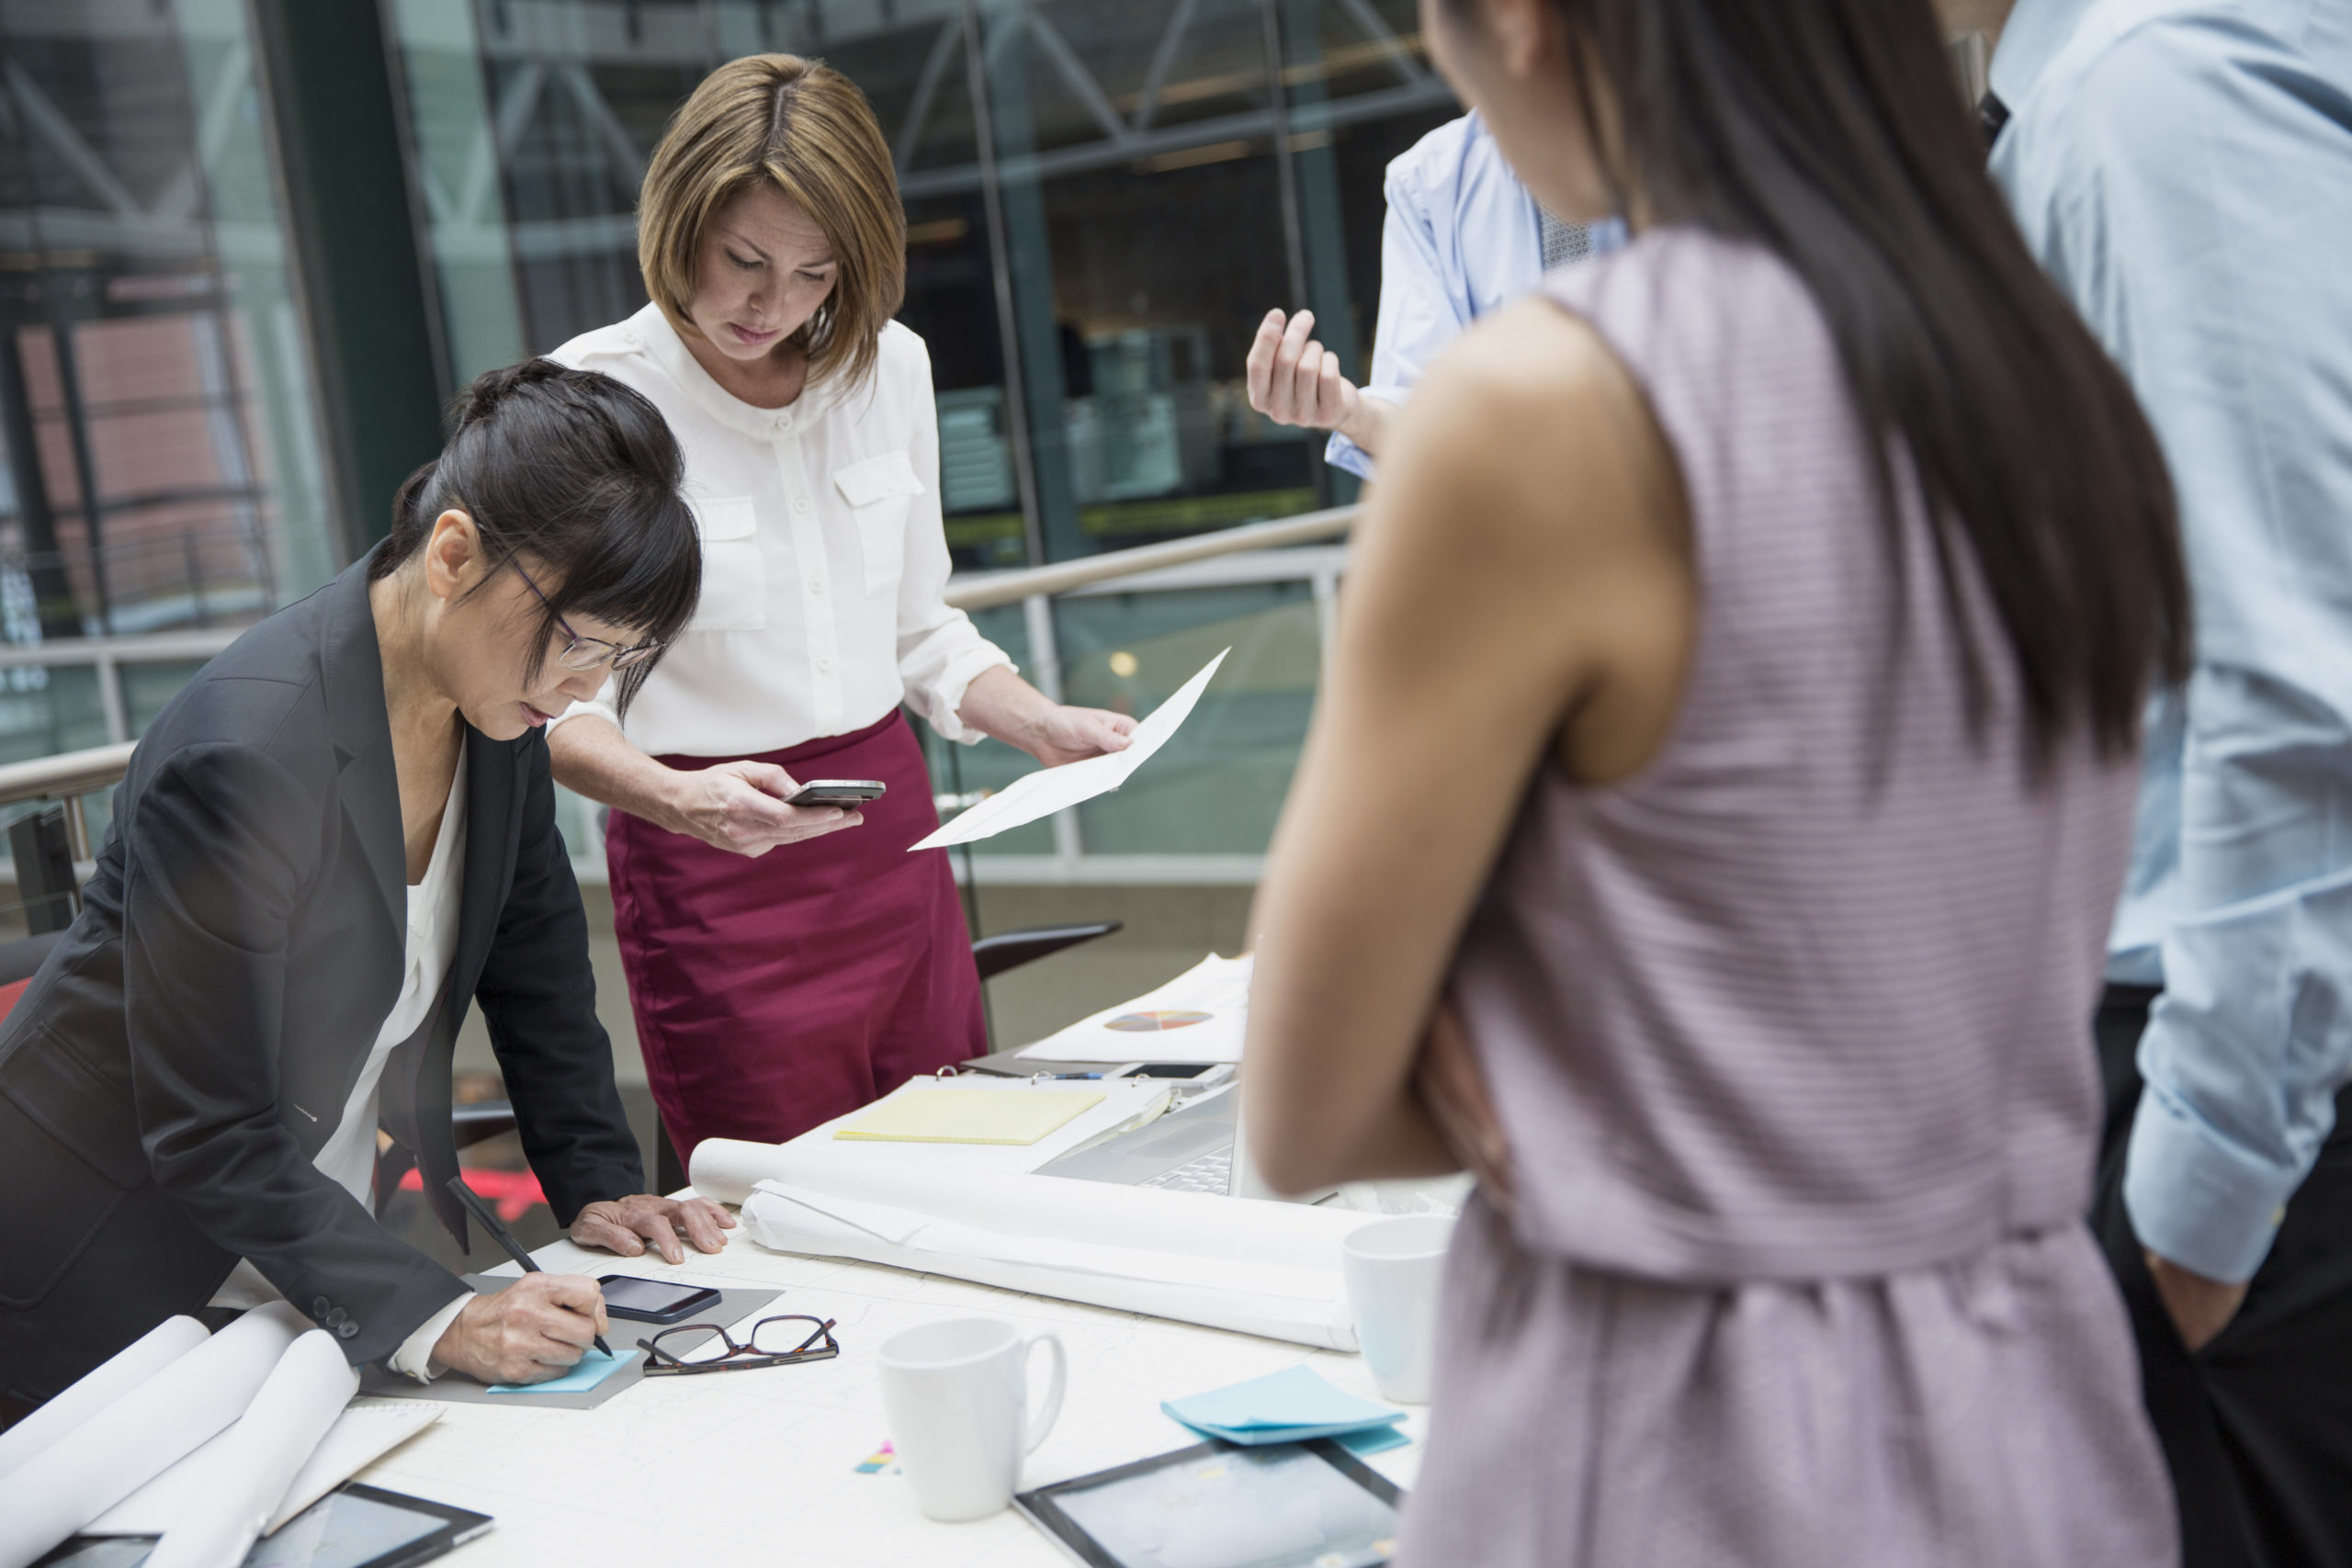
[220, 845]
[538, 996]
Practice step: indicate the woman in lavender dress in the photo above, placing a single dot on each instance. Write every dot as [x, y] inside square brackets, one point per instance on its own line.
[1712, 820]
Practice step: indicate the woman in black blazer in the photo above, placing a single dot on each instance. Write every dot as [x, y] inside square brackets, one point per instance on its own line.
[280, 915]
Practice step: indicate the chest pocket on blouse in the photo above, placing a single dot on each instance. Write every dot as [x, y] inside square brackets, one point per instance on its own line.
[734, 577]
[879, 492]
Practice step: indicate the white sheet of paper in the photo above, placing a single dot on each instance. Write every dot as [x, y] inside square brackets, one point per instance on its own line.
[1217, 986]
[1049, 790]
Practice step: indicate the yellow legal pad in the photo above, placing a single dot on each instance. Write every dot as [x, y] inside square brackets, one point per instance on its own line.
[951, 1115]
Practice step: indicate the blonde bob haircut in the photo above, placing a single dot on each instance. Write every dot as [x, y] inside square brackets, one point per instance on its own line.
[804, 128]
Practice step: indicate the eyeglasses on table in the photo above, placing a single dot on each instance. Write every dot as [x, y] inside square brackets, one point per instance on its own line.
[771, 1343]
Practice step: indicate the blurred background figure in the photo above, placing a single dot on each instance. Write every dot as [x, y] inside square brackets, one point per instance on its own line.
[2183, 169]
[1462, 238]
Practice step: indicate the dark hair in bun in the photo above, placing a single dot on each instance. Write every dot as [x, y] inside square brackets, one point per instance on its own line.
[578, 474]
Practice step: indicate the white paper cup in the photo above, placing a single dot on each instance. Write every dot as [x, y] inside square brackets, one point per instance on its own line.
[957, 1394]
[1394, 1269]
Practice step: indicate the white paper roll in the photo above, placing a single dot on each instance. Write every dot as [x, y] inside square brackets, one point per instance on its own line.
[136, 1436]
[133, 1365]
[1258, 1267]
[257, 1460]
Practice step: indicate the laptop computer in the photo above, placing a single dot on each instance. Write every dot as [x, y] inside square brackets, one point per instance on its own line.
[1192, 1149]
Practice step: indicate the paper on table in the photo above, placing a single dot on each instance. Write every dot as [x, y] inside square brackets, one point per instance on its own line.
[246, 1478]
[1159, 1026]
[132, 1365]
[1269, 1269]
[1126, 1103]
[360, 1436]
[1050, 790]
[954, 1113]
[141, 1435]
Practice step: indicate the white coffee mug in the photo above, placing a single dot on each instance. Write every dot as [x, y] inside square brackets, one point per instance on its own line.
[957, 1394]
[1394, 1269]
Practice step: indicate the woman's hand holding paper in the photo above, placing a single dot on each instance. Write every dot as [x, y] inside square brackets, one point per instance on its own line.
[533, 1330]
[1001, 704]
[627, 1225]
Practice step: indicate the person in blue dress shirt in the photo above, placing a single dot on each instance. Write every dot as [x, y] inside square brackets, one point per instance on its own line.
[1461, 238]
[2183, 168]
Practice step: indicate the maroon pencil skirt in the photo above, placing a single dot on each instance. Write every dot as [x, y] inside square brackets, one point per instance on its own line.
[774, 993]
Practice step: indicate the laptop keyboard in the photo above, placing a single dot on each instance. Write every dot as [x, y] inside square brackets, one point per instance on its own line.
[1211, 1172]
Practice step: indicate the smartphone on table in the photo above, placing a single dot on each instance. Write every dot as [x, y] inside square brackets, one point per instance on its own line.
[847, 793]
[653, 1301]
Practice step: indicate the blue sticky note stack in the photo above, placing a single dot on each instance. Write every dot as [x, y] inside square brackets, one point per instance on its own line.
[1289, 1408]
[586, 1373]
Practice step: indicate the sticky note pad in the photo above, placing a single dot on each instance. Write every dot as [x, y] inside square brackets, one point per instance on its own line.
[952, 1115]
[1289, 1406]
[586, 1373]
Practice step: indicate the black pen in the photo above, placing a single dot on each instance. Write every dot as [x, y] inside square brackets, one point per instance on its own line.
[487, 1217]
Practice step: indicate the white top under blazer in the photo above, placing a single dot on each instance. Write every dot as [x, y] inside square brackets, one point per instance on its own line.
[824, 558]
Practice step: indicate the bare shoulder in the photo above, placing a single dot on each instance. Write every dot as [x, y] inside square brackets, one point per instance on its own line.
[1531, 411]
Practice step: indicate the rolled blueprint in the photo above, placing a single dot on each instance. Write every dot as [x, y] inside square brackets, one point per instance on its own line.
[131, 1366]
[140, 1434]
[1256, 1268]
[254, 1463]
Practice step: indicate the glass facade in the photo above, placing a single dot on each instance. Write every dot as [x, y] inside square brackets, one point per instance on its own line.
[162, 468]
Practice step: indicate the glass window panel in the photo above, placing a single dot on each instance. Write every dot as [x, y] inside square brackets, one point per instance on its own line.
[155, 392]
[1218, 786]
[147, 687]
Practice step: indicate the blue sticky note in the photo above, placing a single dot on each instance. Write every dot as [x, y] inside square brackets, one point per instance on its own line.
[586, 1373]
[1288, 1406]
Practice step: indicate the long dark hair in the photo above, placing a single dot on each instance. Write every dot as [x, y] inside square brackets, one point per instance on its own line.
[580, 474]
[1831, 132]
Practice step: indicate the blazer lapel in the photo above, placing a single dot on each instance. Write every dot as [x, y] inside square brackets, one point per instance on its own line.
[353, 676]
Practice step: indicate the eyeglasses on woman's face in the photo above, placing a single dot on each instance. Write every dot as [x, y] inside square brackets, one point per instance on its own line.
[586, 653]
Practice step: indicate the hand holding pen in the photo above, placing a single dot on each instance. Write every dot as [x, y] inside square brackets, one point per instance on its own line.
[530, 1332]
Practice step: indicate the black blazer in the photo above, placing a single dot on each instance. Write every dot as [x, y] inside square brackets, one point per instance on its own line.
[185, 1052]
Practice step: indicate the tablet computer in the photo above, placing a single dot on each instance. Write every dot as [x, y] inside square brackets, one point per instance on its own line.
[351, 1526]
[1220, 1505]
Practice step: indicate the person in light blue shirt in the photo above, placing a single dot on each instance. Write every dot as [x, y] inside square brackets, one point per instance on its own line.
[2184, 170]
[1462, 238]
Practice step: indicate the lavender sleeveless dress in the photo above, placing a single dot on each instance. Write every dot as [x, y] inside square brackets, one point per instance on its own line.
[1789, 1035]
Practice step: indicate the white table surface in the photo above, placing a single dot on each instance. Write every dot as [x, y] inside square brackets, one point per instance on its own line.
[760, 1466]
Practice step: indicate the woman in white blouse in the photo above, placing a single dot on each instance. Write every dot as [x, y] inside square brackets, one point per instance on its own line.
[771, 994]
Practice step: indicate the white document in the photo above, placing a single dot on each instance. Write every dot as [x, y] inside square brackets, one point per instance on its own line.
[1049, 790]
[141, 1435]
[256, 1459]
[1200, 1016]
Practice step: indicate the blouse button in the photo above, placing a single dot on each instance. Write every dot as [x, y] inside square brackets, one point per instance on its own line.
[816, 586]
[799, 503]
[824, 663]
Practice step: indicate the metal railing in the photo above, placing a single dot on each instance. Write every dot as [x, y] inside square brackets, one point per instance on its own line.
[69, 775]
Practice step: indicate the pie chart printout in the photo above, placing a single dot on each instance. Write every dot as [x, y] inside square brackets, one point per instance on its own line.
[1157, 1021]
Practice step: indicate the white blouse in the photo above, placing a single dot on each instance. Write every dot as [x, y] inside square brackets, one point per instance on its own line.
[824, 557]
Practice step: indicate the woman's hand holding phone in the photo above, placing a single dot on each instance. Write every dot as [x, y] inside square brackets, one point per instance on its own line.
[742, 807]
